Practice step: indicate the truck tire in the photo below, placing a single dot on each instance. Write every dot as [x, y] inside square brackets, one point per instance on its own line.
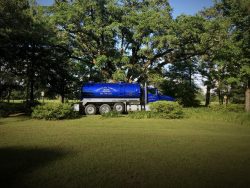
[119, 107]
[90, 109]
[105, 108]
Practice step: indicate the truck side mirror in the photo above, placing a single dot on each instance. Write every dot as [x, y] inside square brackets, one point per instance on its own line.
[156, 92]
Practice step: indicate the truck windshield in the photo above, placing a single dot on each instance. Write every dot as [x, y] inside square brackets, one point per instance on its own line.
[152, 91]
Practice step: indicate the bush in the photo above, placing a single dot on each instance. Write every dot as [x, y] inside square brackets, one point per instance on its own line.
[54, 111]
[111, 114]
[228, 108]
[160, 109]
[166, 107]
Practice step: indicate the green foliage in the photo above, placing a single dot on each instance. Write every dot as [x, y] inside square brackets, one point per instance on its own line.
[185, 93]
[88, 28]
[140, 115]
[219, 114]
[119, 75]
[57, 48]
[111, 114]
[228, 108]
[165, 107]
[226, 41]
[101, 61]
[34, 56]
[160, 109]
[155, 78]
[149, 34]
[154, 115]
[54, 111]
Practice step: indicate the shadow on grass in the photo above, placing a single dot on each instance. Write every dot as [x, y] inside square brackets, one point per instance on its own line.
[16, 162]
[7, 120]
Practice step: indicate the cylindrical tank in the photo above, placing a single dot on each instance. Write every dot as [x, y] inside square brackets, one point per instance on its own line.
[111, 90]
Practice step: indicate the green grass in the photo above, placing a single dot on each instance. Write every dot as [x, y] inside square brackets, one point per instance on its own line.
[206, 114]
[123, 152]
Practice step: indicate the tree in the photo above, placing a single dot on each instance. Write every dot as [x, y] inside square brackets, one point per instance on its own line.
[226, 62]
[183, 62]
[28, 45]
[146, 36]
[88, 32]
[109, 36]
[180, 82]
[13, 20]
[238, 13]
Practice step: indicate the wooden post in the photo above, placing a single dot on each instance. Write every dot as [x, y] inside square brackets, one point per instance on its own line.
[225, 100]
[247, 100]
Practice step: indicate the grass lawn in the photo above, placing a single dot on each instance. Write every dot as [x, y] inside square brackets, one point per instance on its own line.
[122, 152]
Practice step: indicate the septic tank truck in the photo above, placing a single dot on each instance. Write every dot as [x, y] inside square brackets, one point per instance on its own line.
[120, 97]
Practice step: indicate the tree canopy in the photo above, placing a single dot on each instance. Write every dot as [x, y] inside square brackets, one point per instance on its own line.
[56, 48]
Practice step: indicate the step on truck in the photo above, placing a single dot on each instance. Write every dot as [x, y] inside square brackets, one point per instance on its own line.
[120, 97]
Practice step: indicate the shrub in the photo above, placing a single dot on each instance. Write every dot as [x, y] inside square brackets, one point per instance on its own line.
[160, 109]
[111, 114]
[166, 107]
[54, 111]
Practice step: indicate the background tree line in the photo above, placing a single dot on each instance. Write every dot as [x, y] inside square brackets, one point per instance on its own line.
[57, 48]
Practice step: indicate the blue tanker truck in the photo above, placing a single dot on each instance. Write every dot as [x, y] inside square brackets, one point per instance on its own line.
[120, 97]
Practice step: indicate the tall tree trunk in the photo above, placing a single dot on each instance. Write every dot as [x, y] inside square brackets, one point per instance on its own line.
[31, 75]
[30, 86]
[31, 90]
[62, 97]
[190, 76]
[220, 97]
[9, 94]
[27, 90]
[208, 95]
[62, 94]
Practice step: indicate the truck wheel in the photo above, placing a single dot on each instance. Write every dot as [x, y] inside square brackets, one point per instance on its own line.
[105, 108]
[90, 109]
[119, 107]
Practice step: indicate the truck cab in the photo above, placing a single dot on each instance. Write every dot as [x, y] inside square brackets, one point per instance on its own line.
[155, 95]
